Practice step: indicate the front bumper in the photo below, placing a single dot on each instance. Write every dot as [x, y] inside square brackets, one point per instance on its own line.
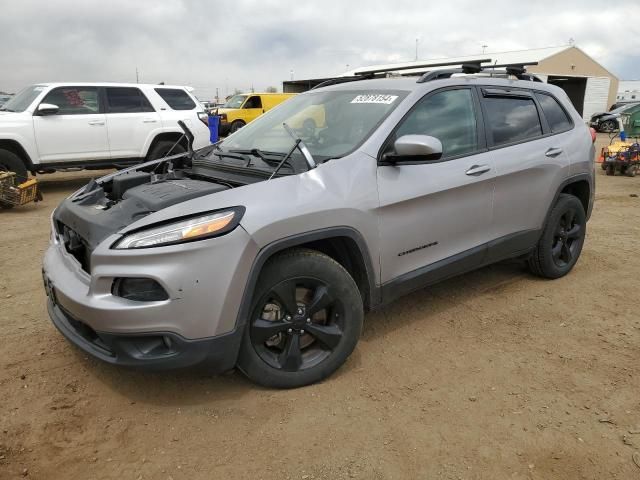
[148, 351]
[199, 322]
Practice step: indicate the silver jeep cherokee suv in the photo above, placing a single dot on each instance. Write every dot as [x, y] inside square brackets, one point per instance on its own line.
[265, 250]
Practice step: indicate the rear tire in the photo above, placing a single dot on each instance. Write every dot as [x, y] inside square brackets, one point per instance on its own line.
[611, 170]
[632, 170]
[562, 239]
[162, 148]
[306, 319]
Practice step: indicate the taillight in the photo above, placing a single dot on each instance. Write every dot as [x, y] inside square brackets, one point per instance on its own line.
[593, 135]
[204, 118]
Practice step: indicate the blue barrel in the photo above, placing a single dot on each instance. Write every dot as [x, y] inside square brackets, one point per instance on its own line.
[214, 121]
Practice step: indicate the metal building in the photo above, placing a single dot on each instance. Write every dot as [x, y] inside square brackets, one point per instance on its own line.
[590, 86]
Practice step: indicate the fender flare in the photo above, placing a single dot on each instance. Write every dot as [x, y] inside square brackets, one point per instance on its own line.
[295, 240]
[568, 181]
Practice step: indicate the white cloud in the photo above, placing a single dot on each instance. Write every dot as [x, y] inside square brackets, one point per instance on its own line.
[229, 45]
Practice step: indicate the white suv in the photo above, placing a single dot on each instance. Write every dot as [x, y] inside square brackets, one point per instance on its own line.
[54, 126]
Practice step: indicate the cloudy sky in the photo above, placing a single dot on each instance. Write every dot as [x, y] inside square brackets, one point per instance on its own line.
[213, 44]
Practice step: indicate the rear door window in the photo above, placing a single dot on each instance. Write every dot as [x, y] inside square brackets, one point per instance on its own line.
[557, 118]
[74, 100]
[511, 119]
[177, 99]
[126, 100]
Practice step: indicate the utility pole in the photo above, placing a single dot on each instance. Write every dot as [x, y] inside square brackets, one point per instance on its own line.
[291, 73]
[137, 80]
[417, 42]
[484, 47]
[217, 96]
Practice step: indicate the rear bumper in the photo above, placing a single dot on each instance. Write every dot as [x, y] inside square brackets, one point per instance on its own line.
[148, 350]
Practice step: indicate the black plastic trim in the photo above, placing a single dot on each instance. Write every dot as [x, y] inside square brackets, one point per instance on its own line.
[300, 239]
[215, 354]
[509, 246]
[574, 179]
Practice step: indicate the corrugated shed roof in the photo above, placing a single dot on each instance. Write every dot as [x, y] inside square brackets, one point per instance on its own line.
[499, 58]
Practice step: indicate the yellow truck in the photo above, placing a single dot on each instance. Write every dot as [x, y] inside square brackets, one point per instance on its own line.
[245, 107]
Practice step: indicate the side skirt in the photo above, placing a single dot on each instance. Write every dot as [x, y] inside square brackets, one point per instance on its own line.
[510, 246]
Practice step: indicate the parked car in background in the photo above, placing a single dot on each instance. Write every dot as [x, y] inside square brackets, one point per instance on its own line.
[608, 121]
[243, 108]
[265, 250]
[53, 126]
[209, 107]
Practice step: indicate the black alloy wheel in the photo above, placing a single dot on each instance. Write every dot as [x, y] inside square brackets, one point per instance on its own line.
[298, 324]
[560, 244]
[608, 126]
[567, 237]
[306, 319]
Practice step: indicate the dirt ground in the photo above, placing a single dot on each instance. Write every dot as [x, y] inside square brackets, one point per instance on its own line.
[492, 375]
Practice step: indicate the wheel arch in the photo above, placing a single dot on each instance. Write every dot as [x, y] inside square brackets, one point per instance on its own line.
[581, 189]
[16, 148]
[344, 244]
[168, 136]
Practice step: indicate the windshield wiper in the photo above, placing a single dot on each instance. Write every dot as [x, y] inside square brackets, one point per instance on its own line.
[300, 145]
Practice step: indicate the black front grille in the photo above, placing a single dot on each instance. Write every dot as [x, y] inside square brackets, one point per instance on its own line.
[75, 245]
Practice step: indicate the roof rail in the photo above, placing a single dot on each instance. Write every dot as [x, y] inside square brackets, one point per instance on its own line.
[337, 80]
[421, 65]
[517, 70]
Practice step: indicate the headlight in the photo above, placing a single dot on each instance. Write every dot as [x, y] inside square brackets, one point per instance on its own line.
[195, 228]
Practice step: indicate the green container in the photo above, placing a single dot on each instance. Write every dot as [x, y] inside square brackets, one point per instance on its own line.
[631, 122]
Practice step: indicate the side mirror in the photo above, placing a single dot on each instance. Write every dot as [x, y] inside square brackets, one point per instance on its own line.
[414, 149]
[47, 109]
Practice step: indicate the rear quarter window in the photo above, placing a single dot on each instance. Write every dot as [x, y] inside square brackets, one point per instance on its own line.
[511, 119]
[177, 99]
[556, 116]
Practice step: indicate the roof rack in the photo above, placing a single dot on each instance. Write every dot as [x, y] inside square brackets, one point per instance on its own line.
[415, 67]
[377, 72]
[518, 70]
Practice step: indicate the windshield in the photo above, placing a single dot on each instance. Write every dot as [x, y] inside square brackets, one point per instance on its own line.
[331, 123]
[21, 101]
[235, 101]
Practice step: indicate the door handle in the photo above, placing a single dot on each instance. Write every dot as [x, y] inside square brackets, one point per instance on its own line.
[149, 120]
[96, 122]
[476, 170]
[553, 152]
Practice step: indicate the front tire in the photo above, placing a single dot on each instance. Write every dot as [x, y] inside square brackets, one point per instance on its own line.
[10, 162]
[306, 319]
[165, 148]
[237, 125]
[562, 239]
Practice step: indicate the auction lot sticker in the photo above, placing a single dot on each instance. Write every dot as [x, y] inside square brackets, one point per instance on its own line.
[384, 99]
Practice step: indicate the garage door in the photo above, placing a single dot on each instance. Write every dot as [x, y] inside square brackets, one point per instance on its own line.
[596, 96]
